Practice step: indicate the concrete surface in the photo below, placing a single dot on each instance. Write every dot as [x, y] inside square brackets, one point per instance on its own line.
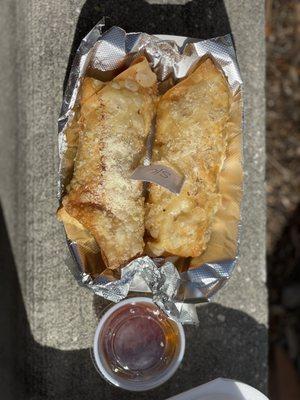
[55, 328]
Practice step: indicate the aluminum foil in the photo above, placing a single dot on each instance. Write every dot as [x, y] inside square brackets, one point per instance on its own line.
[104, 53]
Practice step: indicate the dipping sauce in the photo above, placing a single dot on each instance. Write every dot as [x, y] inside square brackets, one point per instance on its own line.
[137, 345]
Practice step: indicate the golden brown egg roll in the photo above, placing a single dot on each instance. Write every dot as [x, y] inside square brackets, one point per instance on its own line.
[116, 121]
[190, 138]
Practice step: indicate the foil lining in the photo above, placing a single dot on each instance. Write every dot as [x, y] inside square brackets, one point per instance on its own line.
[102, 55]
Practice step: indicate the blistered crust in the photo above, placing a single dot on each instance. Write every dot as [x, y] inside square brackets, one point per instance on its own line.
[115, 123]
[190, 138]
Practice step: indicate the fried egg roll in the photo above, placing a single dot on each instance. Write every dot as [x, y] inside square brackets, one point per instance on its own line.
[190, 138]
[116, 121]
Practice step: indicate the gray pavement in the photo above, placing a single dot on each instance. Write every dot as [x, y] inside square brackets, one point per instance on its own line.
[53, 319]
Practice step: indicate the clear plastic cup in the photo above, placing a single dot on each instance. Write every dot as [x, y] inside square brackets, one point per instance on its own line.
[137, 346]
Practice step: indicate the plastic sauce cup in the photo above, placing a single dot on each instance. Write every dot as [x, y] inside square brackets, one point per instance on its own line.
[137, 346]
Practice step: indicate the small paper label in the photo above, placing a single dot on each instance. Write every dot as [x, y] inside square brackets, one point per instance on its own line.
[161, 175]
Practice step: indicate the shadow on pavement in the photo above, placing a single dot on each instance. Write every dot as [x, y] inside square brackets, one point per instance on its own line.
[198, 18]
[227, 343]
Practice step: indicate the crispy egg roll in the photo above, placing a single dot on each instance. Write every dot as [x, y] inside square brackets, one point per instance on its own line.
[190, 138]
[116, 121]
